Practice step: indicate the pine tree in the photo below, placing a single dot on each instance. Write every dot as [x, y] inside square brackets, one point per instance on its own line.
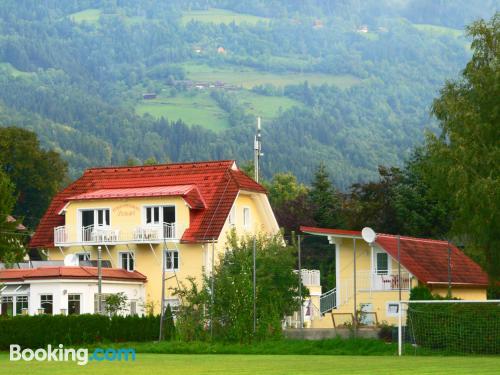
[325, 199]
[169, 330]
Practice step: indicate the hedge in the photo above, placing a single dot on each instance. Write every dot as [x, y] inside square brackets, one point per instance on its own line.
[41, 330]
[456, 327]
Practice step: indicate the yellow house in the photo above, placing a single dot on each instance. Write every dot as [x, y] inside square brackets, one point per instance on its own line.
[175, 216]
[370, 281]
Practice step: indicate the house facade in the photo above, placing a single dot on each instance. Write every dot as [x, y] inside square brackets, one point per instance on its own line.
[67, 290]
[371, 281]
[176, 216]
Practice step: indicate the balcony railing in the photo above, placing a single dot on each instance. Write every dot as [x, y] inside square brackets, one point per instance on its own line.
[92, 234]
[369, 280]
[310, 277]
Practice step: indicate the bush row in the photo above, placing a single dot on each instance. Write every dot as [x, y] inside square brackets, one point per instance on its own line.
[41, 330]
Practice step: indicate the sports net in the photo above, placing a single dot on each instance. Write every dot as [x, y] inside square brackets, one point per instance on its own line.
[455, 327]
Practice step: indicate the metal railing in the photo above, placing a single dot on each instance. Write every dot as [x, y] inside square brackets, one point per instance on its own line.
[328, 301]
[387, 280]
[93, 234]
[310, 277]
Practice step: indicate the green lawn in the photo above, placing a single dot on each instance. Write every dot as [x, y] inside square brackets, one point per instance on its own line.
[439, 30]
[267, 107]
[87, 15]
[13, 71]
[199, 109]
[248, 78]
[262, 364]
[215, 15]
[202, 110]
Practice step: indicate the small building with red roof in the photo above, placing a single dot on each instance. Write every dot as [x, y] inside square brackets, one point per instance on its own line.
[371, 278]
[176, 216]
[67, 290]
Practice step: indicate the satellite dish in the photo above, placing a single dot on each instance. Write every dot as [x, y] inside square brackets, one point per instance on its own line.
[368, 235]
[71, 260]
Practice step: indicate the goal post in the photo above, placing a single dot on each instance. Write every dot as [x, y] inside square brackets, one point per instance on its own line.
[449, 326]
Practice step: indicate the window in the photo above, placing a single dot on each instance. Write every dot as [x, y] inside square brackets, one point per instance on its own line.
[232, 216]
[97, 217]
[382, 264]
[74, 304]
[7, 306]
[127, 261]
[103, 302]
[392, 309]
[246, 217]
[174, 304]
[21, 304]
[171, 260]
[160, 214]
[133, 307]
[83, 257]
[46, 302]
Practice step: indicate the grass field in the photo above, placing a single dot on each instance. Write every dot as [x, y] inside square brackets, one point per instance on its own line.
[248, 78]
[13, 71]
[200, 109]
[439, 30]
[218, 16]
[87, 15]
[262, 364]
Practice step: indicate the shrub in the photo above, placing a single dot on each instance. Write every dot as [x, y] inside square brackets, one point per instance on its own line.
[41, 330]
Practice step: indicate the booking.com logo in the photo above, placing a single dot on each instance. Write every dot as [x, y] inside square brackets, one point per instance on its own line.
[80, 356]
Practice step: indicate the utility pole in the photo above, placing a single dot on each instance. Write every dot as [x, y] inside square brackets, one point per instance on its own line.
[257, 148]
[449, 271]
[299, 238]
[399, 267]
[354, 285]
[99, 280]
[212, 292]
[162, 304]
[254, 287]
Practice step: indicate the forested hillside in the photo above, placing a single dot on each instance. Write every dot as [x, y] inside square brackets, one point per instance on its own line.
[349, 83]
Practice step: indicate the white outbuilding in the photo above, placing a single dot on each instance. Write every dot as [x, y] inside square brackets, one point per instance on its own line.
[67, 290]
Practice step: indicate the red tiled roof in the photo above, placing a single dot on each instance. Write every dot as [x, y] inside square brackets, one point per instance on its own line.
[150, 191]
[66, 272]
[190, 193]
[425, 258]
[216, 182]
[339, 232]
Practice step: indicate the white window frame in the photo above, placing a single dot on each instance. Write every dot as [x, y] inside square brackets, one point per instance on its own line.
[80, 300]
[375, 264]
[232, 216]
[247, 220]
[174, 303]
[96, 215]
[85, 254]
[47, 294]
[171, 269]
[132, 255]
[387, 311]
[160, 214]
[16, 301]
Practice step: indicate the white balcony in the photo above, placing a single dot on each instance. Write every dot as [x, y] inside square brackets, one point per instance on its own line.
[369, 280]
[65, 235]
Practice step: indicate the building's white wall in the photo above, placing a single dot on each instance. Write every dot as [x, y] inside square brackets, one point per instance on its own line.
[60, 289]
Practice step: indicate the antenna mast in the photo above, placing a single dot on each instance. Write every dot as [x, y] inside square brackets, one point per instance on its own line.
[257, 148]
